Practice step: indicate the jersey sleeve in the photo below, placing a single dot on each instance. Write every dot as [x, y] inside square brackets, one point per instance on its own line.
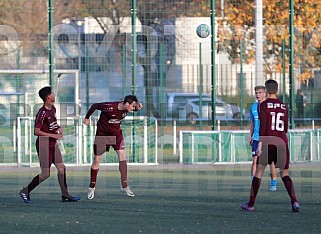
[40, 117]
[95, 106]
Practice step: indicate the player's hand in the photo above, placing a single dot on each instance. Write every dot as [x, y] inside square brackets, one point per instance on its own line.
[58, 136]
[259, 149]
[139, 106]
[86, 121]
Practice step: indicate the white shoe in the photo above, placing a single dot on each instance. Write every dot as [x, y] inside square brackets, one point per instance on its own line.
[128, 192]
[91, 193]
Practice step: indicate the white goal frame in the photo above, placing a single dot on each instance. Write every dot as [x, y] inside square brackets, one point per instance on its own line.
[81, 139]
[312, 145]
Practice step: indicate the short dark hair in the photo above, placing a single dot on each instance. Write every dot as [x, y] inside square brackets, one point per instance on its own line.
[130, 99]
[44, 92]
[271, 86]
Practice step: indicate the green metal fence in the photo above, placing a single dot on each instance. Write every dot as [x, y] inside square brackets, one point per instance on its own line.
[151, 48]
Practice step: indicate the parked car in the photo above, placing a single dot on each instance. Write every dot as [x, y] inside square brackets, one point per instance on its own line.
[177, 100]
[177, 103]
[191, 110]
[237, 112]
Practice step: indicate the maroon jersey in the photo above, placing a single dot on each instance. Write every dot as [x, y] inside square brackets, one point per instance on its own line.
[110, 116]
[273, 116]
[47, 122]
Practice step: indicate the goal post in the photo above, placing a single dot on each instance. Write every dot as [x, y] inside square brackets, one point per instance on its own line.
[201, 147]
[197, 147]
[20, 99]
[77, 143]
[145, 141]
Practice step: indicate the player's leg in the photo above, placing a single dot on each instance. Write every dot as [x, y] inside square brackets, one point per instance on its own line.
[100, 147]
[123, 173]
[119, 147]
[61, 174]
[288, 183]
[253, 168]
[61, 170]
[273, 175]
[254, 145]
[93, 176]
[45, 161]
[256, 183]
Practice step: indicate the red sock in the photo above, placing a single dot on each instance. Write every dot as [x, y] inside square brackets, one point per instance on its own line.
[123, 173]
[290, 188]
[93, 177]
[256, 182]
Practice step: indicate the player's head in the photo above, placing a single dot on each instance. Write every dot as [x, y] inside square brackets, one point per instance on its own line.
[46, 94]
[130, 102]
[271, 86]
[260, 92]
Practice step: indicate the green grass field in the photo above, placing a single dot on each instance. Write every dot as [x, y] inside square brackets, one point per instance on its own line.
[169, 199]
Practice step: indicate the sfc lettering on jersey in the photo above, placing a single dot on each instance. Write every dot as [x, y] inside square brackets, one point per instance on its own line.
[114, 121]
[276, 105]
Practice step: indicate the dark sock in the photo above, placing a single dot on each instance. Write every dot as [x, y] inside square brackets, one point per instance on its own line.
[93, 177]
[32, 185]
[123, 173]
[256, 182]
[290, 188]
[63, 184]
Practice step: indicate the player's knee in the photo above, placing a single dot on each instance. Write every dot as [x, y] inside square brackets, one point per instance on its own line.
[44, 175]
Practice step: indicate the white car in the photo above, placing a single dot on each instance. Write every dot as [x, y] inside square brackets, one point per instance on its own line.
[191, 110]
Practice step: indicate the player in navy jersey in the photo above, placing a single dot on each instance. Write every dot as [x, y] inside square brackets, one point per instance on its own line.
[254, 134]
[48, 132]
[109, 134]
[273, 147]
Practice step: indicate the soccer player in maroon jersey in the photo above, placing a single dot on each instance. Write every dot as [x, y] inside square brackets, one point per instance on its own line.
[48, 132]
[109, 134]
[274, 148]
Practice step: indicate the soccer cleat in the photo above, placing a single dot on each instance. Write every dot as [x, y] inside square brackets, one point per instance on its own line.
[245, 206]
[295, 207]
[272, 188]
[70, 198]
[273, 184]
[91, 193]
[128, 192]
[25, 197]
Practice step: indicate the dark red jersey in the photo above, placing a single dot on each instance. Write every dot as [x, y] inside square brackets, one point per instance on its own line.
[273, 117]
[110, 116]
[47, 122]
